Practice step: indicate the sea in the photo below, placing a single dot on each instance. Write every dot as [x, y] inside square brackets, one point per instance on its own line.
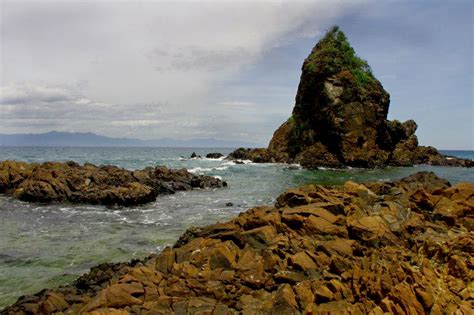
[44, 246]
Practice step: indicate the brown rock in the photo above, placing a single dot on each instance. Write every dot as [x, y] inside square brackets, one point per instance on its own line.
[116, 296]
[302, 261]
[371, 229]
[54, 303]
[358, 249]
[223, 256]
[293, 198]
[284, 301]
[260, 237]
[71, 182]
[323, 294]
[321, 226]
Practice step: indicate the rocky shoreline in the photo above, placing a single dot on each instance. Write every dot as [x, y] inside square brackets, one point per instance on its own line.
[425, 156]
[402, 247]
[88, 183]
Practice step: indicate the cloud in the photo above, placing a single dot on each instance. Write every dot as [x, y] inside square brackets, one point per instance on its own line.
[20, 94]
[147, 69]
[64, 108]
[238, 104]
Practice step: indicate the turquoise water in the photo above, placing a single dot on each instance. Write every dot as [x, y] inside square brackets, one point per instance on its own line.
[49, 245]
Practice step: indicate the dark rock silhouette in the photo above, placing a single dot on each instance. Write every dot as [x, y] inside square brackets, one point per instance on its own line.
[215, 155]
[195, 156]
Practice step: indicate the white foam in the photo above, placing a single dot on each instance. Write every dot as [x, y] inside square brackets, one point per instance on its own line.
[323, 168]
[217, 159]
[148, 221]
[199, 170]
[294, 166]
[239, 162]
[202, 170]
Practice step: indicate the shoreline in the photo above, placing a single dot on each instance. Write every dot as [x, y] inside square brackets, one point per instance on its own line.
[208, 266]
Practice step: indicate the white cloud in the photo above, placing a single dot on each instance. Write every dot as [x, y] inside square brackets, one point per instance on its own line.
[238, 104]
[19, 94]
[88, 64]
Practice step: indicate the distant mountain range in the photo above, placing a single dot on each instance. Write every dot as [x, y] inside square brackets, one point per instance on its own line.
[78, 139]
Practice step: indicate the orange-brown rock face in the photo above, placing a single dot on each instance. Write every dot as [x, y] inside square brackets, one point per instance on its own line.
[108, 185]
[405, 247]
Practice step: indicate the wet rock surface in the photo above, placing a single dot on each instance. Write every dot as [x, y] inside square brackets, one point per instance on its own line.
[340, 118]
[403, 247]
[107, 185]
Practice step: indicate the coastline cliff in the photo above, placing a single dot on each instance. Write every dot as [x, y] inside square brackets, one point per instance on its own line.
[340, 118]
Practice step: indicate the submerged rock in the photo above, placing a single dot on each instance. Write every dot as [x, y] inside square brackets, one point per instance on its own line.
[340, 118]
[401, 247]
[107, 185]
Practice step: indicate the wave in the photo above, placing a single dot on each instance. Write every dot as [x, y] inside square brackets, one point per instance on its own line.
[202, 170]
[342, 169]
[236, 162]
[211, 159]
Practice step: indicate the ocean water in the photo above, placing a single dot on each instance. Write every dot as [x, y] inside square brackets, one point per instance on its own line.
[50, 245]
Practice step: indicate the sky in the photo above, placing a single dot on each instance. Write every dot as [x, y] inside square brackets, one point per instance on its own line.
[224, 69]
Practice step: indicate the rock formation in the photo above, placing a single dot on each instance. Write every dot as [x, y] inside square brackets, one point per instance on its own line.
[107, 185]
[402, 247]
[340, 118]
[214, 155]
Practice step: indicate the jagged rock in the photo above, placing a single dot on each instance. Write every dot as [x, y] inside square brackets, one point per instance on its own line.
[340, 118]
[366, 248]
[108, 185]
[195, 156]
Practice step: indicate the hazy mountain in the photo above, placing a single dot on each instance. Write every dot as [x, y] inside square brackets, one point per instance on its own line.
[73, 139]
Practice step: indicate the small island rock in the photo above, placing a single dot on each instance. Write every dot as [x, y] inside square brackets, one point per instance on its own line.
[340, 118]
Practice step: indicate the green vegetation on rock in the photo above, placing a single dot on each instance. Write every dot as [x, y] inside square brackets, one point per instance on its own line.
[333, 54]
[340, 118]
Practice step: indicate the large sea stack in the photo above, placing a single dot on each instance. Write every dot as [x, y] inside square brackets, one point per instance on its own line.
[340, 118]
